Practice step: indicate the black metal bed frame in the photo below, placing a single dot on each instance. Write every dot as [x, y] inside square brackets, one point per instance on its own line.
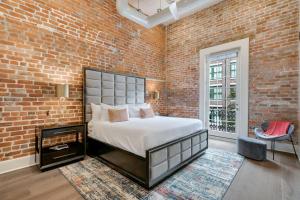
[133, 166]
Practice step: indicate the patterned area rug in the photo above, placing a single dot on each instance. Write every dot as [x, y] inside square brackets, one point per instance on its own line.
[207, 178]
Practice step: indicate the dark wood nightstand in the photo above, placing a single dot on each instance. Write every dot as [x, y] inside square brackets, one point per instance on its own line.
[71, 148]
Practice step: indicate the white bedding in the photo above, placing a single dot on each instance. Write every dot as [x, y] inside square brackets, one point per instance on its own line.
[138, 135]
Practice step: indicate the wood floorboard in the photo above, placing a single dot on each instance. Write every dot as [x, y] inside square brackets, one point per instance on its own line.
[29, 183]
[268, 180]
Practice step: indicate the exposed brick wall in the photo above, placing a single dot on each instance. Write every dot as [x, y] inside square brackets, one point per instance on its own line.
[272, 27]
[45, 42]
[159, 105]
[299, 73]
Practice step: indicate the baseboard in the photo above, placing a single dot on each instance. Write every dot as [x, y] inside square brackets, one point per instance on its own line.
[279, 146]
[15, 164]
[222, 139]
[283, 147]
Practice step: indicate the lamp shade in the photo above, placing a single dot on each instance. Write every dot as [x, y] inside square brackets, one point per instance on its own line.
[62, 90]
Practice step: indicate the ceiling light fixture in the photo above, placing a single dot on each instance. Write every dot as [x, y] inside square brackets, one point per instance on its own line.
[166, 16]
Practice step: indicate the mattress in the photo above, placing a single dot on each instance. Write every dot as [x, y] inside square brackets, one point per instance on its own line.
[138, 135]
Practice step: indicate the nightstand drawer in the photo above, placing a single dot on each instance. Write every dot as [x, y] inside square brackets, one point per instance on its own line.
[60, 150]
[51, 156]
[62, 131]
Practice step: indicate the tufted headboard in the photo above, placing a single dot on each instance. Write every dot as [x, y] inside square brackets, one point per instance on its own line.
[111, 89]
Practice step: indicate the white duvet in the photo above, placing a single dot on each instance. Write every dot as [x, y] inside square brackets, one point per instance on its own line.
[138, 135]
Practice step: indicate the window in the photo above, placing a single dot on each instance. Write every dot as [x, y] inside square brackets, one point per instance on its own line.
[233, 69]
[215, 71]
[232, 92]
[215, 93]
[213, 117]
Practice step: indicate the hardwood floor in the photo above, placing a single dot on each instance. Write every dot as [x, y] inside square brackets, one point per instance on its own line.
[268, 180]
[30, 183]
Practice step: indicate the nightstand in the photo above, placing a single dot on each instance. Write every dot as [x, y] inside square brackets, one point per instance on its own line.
[69, 144]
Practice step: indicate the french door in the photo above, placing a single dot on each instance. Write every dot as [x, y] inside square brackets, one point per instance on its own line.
[223, 91]
[223, 94]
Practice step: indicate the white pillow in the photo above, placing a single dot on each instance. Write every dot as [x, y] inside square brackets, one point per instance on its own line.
[96, 112]
[134, 110]
[104, 110]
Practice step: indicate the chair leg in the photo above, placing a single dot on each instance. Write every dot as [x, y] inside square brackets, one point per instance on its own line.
[273, 149]
[294, 147]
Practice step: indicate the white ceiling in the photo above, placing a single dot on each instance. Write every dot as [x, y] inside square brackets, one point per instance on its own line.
[149, 7]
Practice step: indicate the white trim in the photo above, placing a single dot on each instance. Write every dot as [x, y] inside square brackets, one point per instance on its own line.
[15, 164]
[281, 147]
[215, 105]
[214, 137]
[167, 16]
[215, 64]
[221, 134]
[243, 47]
[216, 84]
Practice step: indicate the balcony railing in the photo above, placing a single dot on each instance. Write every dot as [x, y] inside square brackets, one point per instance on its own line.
[221, 119]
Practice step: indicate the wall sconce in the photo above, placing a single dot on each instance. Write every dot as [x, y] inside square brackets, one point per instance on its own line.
[155, 95]
[62, 92]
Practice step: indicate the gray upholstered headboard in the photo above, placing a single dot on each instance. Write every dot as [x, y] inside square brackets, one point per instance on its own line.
[111, 89]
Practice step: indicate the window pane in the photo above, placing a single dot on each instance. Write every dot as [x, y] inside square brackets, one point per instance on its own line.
[233, 70]
[232, 92]
[215, 93]
[211, 93]
[215, 71]
[222, 93]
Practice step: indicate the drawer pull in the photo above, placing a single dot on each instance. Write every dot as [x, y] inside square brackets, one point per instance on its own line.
[66, 155]
[62, 132]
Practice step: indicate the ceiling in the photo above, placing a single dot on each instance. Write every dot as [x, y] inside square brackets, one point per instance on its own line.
[149, 7]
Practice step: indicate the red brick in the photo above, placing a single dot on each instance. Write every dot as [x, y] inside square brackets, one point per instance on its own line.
[34, 64]
[273, 56]
[26, 108]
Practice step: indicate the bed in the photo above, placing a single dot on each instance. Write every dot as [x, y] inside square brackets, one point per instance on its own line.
[145, 150]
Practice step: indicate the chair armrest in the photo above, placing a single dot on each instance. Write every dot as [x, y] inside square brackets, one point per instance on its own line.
[259, 133]
[258, 130]
[291, 130]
